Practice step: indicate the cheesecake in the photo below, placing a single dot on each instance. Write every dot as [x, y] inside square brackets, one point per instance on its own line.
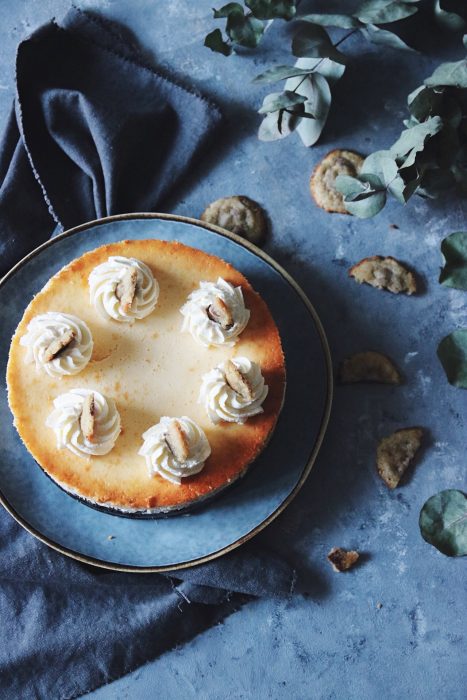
[146, 377]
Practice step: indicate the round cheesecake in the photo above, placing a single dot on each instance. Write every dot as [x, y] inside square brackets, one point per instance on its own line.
[143, 371]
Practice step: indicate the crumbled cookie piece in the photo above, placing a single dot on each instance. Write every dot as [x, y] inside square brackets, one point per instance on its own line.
[87, 418]
[368, 367]
[220, 313]
[237, 381]
[125, 290]
[238, 214]
[59, 344]
[395, 453]
[341, 559]
[384, 273]
[338, 162]
[177, 441]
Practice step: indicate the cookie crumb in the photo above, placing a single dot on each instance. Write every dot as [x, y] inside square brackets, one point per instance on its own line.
[177, 441]
[342, 559]
[59, 344]
[220, 313]
[111, 537]
[125, 290]
[368, 366]
[87, 418]
[379, 606]
[237, 381]
[394, 226]
[384, 273]
[395, 453]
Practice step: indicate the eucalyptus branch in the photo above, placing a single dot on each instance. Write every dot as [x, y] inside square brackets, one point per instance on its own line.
[429, 157]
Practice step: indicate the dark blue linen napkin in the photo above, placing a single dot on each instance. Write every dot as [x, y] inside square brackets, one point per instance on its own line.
[96, 131]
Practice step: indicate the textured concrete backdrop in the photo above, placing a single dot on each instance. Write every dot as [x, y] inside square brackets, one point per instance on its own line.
[335, 642]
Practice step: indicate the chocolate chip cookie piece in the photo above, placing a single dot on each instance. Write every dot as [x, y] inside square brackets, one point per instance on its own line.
[238, 214]
[368, 367]
[395, 453]
[385, 273]
[337, 162]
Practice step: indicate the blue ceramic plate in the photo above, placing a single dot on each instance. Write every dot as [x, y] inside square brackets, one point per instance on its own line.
[157, 545]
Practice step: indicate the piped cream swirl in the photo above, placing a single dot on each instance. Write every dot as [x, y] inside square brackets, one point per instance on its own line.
[204, 329]
[160, 458]
[103, 282]
[45, 328]
[65, 421]
[222, 403]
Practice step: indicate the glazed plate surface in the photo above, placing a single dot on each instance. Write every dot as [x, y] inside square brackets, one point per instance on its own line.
[156, 545]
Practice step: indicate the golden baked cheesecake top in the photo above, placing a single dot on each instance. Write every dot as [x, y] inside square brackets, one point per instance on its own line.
[146, 376]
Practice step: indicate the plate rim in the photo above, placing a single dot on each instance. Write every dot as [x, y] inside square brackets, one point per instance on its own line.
[112, 566]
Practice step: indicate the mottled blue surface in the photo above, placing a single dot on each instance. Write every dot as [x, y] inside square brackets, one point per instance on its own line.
[230, 517]
[335, 642]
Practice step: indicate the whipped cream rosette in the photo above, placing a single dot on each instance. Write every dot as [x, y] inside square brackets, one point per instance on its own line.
[215, 313]
[233, 396]
[123, 289]
[94, 434]
[59, 344]
[175, 448]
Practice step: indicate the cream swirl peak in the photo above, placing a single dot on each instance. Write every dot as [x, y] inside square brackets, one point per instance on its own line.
[66, 421]
[224, 402]
[162, 455]
[60, 344]
[123, 289]
[215, 313]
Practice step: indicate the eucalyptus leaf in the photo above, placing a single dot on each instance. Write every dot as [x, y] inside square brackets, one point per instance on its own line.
[424, 102]
[364, 196]
[331, 70]
[272, 9]
[330, 20]
[277, 126]
[443, 522]
[244, 30]
[273, 75]
[215, 42]
[281, 100]
[452, 353]
[367, 206]
[449, 20]
[226, 10]
[349, 186]
[383, 37]
[412, 141]
[312, 41]
[318, 101]
[383, 12]
[383, 165]
[454, 272]
[449, 74]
